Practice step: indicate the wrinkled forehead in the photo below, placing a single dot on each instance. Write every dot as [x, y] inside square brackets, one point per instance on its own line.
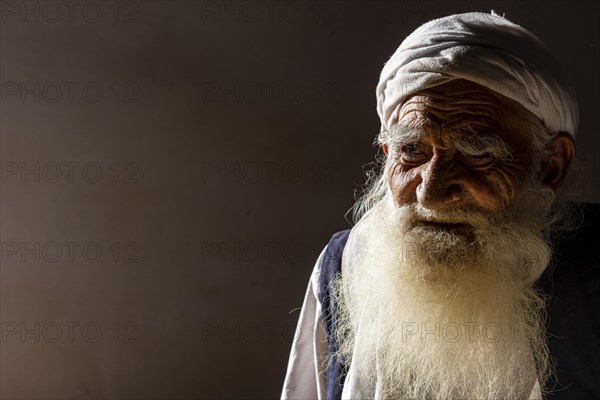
[459, 108]
[456, 100]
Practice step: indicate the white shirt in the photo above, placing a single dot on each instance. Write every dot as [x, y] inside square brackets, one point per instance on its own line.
[305, 378]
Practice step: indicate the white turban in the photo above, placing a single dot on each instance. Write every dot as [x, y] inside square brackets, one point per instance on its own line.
[486, 49]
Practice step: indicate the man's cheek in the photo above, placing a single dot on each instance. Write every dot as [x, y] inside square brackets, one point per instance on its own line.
[501, 191]
[403, 184]
[490, 191]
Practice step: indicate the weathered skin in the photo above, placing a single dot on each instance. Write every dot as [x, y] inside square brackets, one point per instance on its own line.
[435, 174]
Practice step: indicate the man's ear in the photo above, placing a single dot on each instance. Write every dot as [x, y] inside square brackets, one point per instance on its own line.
[557, 165]
[385, 149]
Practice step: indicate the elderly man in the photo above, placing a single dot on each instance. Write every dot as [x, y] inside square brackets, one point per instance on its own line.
[438, 290]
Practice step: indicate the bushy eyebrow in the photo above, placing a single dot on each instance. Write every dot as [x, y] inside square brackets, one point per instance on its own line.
[471, 144]
[477, 145]
[399, 135]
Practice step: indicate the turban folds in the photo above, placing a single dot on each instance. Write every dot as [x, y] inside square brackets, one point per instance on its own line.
[486, 49]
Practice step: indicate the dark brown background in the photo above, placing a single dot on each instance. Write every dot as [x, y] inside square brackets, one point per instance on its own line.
[229, 138]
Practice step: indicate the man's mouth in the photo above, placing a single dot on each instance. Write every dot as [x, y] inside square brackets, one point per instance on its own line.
[442, 225]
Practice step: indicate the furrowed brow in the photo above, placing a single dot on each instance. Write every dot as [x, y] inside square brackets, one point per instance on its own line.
[398, 135]
[477, 145]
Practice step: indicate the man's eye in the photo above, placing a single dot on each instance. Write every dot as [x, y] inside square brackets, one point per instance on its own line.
[412, 153]
[478, 159]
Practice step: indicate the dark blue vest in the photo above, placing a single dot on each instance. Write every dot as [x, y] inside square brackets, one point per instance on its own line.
[573, 284]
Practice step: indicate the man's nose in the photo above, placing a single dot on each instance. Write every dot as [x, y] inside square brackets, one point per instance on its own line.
[441, 185]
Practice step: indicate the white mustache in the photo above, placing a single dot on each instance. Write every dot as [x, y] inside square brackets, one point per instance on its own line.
[414, 213]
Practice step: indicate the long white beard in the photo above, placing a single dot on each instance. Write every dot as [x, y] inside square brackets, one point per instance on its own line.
[430, 313]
